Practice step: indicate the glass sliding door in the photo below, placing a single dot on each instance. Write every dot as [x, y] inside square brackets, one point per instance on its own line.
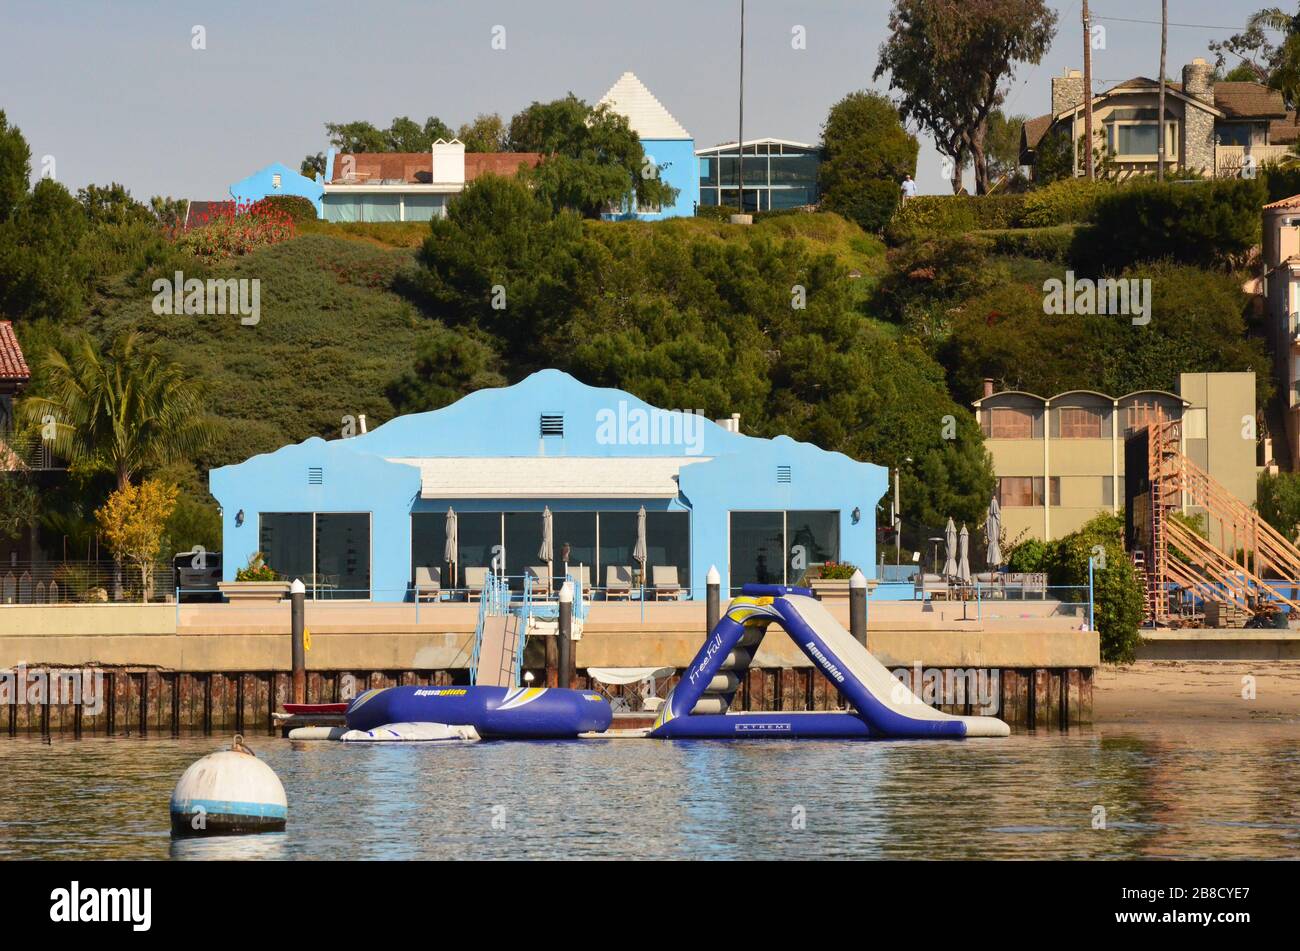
[479, 536]
[285, 539]
[617, 540]
[343, 556]
[668, 544]
[812, 539]
[429, 542]
[757, 548]
[578, 531]
[523, 538]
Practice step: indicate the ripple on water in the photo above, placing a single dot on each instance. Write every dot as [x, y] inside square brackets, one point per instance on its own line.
[1169, 790]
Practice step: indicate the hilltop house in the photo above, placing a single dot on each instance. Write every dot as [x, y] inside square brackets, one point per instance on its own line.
[1219, 129]
[668, 146]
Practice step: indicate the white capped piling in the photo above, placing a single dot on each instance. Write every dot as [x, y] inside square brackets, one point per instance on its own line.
[297, 625]
[230, 792]
[565, 633]
[858, 607]
[713, 595]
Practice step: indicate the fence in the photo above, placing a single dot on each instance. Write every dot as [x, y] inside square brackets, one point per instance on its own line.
[80, 582]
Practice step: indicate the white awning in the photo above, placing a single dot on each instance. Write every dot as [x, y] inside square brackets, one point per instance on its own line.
[549, 477]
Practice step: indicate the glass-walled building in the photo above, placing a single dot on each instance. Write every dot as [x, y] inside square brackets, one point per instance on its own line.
[363, 518]
[778, 174]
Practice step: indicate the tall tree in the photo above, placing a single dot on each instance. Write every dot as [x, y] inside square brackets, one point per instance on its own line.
[594, 161]
[15, 167]
[487, 133]
[866, 154]
[1257, 57]
[122, 409]
[948, 60]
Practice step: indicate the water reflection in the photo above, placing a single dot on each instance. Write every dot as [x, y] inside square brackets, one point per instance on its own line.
[1167, 790]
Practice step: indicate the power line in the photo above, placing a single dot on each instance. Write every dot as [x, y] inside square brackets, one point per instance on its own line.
[1190, 26]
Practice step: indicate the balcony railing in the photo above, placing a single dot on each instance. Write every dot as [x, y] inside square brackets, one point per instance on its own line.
[1229, 160]
[19, 451]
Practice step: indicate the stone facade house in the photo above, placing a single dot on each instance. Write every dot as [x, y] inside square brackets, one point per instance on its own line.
[1221, 129]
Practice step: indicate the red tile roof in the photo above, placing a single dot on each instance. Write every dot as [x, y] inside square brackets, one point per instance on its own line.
[416, 168]
[13, 366]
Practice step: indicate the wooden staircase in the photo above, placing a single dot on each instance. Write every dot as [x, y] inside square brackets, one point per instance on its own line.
[1232, 571]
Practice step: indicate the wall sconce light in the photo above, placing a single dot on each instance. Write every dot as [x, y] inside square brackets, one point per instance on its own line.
[239, 518]
[856, 515]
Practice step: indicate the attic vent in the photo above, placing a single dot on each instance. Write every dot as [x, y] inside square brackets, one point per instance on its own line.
[783, 475]
[315, 475]
[553, 424]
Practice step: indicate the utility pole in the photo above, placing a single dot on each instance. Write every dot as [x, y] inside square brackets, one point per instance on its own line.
[1160, 109]
[740, 132]
[1087, 91]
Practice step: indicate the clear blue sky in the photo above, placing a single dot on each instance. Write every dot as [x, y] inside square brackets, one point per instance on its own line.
[114, 92]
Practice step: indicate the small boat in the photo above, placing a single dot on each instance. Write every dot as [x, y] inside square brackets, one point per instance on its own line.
[302, 709]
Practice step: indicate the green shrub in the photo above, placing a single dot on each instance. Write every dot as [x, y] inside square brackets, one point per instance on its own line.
[1061, 202]
[1118, 599]
[1281, 182]
[1027, 555]
[927, 216]
[1048, 244]
[1207, 224]
[872, 204]
[294, 207]
[715, 212]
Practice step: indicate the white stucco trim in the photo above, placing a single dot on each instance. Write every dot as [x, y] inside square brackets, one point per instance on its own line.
[549, 477]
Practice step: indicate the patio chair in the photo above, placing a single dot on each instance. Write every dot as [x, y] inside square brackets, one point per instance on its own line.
[475, 579]
[541, 576]
[428, 583]
[618, 582]
[665, 584]
[929, 584]
[582, 575]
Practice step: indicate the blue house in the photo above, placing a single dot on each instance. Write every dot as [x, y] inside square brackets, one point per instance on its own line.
[276, 179]
[356, 517]
[668, 146]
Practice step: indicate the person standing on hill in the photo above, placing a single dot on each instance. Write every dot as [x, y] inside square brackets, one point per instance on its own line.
[909, 188]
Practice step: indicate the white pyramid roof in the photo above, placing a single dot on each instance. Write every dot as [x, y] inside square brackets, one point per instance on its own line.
[645, 114]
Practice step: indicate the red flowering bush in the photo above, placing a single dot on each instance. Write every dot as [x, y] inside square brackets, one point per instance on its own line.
[238, 230]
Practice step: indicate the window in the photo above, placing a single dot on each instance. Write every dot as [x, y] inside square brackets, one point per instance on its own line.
[668, 544]
[1232, 133]
[1140, 140]
[1082, 422]
[1026, 491]
[1011, 422]
[329, 551]
[780, 547]
[275, 180]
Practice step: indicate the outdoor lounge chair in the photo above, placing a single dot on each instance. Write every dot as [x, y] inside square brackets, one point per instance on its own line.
[428, 583]
[665, 582]
[618, 582]
[475, 579]
[582, 575]
[929, 584]
[541, 576]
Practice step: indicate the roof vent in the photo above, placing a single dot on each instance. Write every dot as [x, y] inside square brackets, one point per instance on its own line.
[553, 424]
[315, 475]
[783, 475]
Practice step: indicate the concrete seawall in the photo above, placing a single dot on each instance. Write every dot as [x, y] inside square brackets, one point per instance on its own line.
[217, 667]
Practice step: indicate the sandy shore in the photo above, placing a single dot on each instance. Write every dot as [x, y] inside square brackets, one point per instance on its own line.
[1190, 690]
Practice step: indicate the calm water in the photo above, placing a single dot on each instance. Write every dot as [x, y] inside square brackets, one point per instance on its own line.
[1176, 790]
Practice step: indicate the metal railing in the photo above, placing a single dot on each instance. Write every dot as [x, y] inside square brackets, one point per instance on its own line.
[80, 582]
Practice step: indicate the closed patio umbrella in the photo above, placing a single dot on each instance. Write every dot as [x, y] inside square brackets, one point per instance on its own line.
[963, 556]
[451, 550]
[950, 549]
[546, 552]
[993, 536]
[639, 552]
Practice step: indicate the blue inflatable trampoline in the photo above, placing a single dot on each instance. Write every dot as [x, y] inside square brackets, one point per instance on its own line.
[495, 712]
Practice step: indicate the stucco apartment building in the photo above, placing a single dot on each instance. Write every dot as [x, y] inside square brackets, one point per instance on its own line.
[1059, 460]
[1212, 127]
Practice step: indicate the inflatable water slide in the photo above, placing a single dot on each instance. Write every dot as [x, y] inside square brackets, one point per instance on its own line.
[882, 704]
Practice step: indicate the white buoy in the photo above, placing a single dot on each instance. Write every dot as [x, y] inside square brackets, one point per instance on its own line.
[228, 793]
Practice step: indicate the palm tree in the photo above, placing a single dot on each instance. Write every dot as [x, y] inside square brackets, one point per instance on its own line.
[123, 409]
